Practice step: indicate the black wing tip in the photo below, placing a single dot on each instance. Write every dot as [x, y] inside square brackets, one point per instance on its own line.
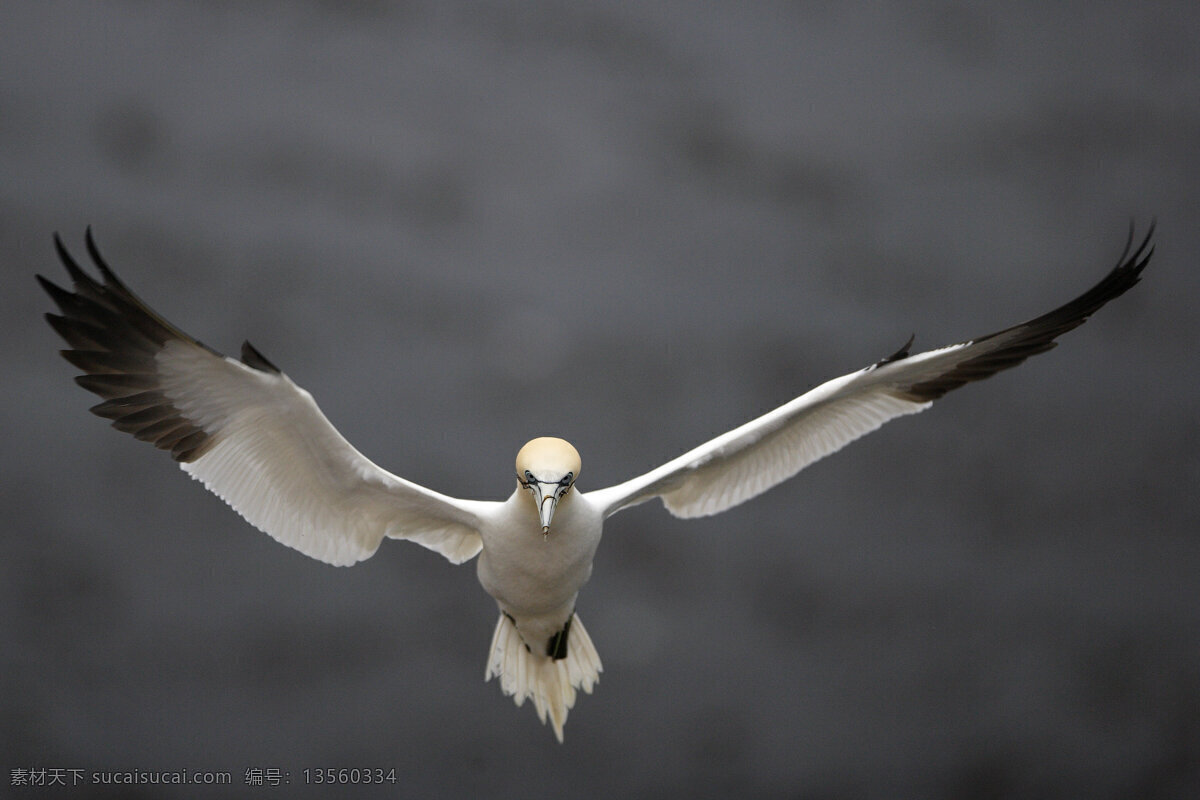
[77, 273]
[64, 299]
[64, 255]
[48, 285]
[113, 337]
[93, 250]
[1120, 279]
[901, 354]
[252, 358]
[904, 352]
[112, 293]
[89, 241]
[1039, 335]
[1134, 261]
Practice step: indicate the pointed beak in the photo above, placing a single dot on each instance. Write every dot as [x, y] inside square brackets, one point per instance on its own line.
[546, 496]
[546, 505]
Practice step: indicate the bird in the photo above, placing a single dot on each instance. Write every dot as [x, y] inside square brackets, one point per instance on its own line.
[260, 442]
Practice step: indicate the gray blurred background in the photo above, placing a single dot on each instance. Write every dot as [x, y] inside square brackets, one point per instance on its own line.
[636, 226]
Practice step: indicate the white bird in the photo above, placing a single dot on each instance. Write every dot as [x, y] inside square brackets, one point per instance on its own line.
[258, 441]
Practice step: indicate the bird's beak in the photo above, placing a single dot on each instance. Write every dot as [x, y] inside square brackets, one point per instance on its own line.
[546, 495]
[546, 505]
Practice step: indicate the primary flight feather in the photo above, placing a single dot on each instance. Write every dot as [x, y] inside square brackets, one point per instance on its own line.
[259, 441]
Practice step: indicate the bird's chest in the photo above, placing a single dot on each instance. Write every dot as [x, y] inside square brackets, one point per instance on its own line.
[529, 572]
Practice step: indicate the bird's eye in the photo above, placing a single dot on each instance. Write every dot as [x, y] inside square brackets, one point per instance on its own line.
[528, 477]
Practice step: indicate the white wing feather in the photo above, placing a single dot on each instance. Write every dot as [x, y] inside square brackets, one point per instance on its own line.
[246, 430]
[261, 443]
[748, 460]
[766, 451]
[279, 463]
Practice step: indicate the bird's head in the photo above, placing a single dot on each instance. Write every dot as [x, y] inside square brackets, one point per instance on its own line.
[547, 468]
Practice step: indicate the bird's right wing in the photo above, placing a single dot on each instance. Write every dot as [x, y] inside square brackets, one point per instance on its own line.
[244, 429]
[748, 460]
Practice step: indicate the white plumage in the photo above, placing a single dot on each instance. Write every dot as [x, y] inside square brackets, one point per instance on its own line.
[279, 463]
[261, 443]
[550, 683]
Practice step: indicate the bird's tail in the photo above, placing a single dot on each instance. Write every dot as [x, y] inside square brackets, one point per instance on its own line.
[550, 682]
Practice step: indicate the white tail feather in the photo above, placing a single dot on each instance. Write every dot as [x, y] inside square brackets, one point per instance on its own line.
[551, 684]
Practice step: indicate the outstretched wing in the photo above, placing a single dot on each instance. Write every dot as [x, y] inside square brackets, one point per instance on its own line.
[253, 437]
[748, 460]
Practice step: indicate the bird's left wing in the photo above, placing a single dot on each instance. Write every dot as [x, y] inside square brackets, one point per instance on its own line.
[748, 460]
[253, 437]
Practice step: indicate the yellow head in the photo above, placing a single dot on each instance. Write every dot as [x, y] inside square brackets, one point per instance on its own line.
[547, 467]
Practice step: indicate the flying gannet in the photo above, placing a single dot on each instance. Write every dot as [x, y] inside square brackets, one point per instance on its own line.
[260, 442]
